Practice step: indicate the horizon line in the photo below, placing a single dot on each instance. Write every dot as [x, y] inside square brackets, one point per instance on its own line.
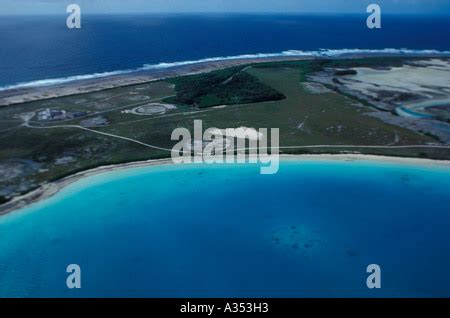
[227, 13]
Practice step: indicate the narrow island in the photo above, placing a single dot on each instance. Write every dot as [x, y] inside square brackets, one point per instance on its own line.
[353, 105]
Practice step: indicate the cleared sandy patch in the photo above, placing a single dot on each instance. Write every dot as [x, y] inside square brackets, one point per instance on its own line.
[240, 132]
[316, 88]
[407, 79]
[435, 63]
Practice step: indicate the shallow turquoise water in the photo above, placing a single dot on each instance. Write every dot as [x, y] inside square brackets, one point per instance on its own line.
[226, 230]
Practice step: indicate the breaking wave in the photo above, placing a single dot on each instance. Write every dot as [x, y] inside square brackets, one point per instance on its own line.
[290, 53]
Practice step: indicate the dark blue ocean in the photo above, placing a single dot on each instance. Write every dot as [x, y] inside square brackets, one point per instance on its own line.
[226, 230]
[43, 48]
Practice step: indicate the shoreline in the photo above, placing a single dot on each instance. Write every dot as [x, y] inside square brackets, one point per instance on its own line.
[25, 94]
[21, 95]
[50, 189]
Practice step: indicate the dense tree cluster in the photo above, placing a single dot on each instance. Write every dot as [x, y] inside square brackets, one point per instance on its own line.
[3, 200]
[224, 87]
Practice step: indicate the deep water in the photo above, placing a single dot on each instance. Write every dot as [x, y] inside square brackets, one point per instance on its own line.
[206, 231]
[43, 49]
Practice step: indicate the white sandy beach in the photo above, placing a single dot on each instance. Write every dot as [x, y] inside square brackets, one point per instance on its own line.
[50, 189]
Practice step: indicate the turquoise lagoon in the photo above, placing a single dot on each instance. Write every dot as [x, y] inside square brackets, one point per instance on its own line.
[225, 230]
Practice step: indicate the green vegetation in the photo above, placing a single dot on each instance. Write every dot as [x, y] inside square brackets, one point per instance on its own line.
[305, 67]
[431, 135]
[316, 65]
[31, 156]
[357, 99]
[345, 72]
[373, 62]
[223, 87]
[3, 199]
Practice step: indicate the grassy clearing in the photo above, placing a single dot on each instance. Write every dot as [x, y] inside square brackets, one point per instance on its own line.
[302, 117]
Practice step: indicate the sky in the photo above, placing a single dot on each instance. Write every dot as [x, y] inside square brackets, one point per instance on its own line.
[224, 6]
